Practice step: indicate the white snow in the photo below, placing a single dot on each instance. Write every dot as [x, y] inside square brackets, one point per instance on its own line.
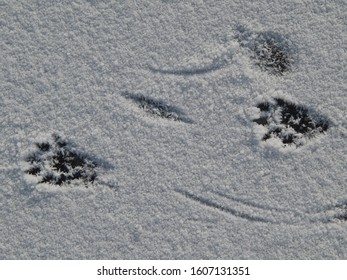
[207, 188]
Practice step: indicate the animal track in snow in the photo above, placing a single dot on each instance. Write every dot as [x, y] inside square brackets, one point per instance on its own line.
[57, 163]
[272, 52]
[291, 123]
[158, 108]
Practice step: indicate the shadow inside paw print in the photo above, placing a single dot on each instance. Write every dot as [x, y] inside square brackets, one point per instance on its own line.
[289, 122]
[272, 52]
[157, 108]
[271, 56]
[56, 162]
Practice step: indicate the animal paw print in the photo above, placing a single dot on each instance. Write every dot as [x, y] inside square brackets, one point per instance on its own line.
[272, 52]
[57, 163]
[270, 56]
[289, 122]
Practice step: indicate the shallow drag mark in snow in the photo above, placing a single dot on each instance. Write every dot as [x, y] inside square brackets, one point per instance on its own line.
[157, 108]
[210, 204]
[58, 163]
[256, 212]
[216, 64]
[326, 214]
[258, 206]
[291, 123]
[272, 52]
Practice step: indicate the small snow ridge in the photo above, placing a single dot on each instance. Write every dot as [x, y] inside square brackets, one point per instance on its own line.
[56, 162]
[289, 122]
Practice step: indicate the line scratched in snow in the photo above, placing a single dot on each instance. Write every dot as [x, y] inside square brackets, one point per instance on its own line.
[216, 64]
[224, 209]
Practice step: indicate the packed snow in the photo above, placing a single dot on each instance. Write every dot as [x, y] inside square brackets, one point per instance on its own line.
[195, 129]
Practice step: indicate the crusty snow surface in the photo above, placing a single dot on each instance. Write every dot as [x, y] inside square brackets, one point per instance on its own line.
[163, 130]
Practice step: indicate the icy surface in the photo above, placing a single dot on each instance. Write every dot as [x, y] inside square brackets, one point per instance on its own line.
[163, 107]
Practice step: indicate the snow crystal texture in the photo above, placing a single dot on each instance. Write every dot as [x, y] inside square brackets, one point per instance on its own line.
[193, 129]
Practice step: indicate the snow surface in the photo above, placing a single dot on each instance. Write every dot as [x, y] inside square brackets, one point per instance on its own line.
[166, 188]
